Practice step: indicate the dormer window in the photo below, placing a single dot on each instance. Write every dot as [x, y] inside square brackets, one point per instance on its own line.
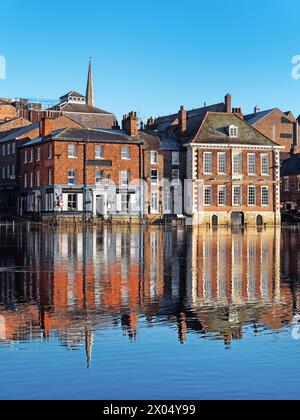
[233, 131]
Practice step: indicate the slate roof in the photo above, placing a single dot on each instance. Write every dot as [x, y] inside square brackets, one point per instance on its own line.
[214, 129]
[14, 134]
[72, 93]
[8, 126]
[254, 118]
[86, 115]
[170, 121]
[80, 107]
[106, 136]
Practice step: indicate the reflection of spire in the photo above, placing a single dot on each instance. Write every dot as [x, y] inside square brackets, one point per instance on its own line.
[182, 328]
[90, 100]
[89, 341]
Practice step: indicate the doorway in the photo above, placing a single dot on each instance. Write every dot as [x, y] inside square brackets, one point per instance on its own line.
[237, 219]
[101, 207]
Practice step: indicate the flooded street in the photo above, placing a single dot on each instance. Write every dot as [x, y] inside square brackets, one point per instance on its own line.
[149, 313]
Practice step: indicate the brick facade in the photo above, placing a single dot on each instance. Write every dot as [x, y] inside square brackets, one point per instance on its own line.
[282, 129]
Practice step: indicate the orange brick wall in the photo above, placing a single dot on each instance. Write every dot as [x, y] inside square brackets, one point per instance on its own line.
[216, 180]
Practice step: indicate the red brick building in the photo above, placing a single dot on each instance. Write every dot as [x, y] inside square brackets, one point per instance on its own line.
[232, 171]
[281, 127]
[290, 183]
[81, 172]
[9, 157]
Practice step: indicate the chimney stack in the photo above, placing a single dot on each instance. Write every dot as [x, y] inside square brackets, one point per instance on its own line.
[256, 109]
[130, 124]
[150, 121]
[238, 111]
[228, 101]
[182, 116]
[46, 127]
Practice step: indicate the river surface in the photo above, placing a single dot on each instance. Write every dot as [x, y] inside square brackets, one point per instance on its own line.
[149, 313]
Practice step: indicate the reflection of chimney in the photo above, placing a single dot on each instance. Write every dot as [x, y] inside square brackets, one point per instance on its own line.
[228, 100]
[46, 127]
[182, 328]
[182, 116]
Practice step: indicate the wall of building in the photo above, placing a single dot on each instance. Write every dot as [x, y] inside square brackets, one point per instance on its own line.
[273, 127]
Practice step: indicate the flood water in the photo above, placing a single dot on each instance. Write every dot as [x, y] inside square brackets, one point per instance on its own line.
[149, 313]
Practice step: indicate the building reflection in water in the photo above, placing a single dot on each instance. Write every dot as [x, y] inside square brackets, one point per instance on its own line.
[72, 283]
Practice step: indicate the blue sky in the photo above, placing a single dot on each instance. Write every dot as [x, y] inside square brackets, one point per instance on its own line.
[153, 56]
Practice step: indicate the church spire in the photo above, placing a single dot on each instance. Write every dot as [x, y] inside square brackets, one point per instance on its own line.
[90, 100]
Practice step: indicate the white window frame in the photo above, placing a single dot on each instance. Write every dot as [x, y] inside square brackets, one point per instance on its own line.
[175, 176]
[99, 176]
[240, 195]
[99, 152]
[263, 156]
[155, 196]
[208, 188]
[175, 158]
[124, 202]
[262, 189]
[167, 202]
[251, 165]
[224, 189]
[38, 154]
[38, 178]
[224, 163]
[240, 163]
[207, 163]
[154, 157]
[124, 178]
[25, 180]
[125, 153]
[71, 177]
[255, 196]
[154, 181]
[233, 131]
[50, 151]
[25, 156]
[72, 151]
[50, 176]
[286, 181]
